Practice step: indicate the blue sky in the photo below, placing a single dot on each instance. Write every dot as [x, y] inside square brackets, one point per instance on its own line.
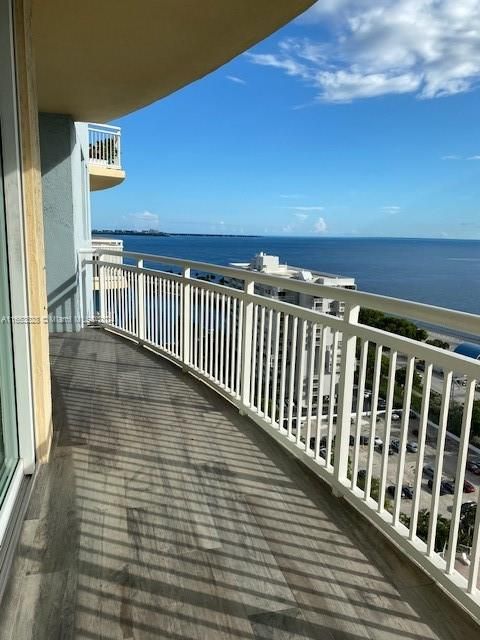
[359, 118]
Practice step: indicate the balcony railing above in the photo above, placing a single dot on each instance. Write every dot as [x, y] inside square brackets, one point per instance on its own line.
[104, 145]
[270, 359]
[104, 156]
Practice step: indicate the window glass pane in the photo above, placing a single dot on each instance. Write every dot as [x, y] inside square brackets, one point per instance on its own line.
[8, 422]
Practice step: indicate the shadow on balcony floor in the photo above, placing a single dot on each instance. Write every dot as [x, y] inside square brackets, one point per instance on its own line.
[164, 514]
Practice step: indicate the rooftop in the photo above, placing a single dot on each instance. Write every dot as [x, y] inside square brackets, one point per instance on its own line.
[270, 264]
[165, 514]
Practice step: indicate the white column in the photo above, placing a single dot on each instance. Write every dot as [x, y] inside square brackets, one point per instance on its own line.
[345, 393]
[140, 303]
[247, 333]
[186, 313]
[101, 290]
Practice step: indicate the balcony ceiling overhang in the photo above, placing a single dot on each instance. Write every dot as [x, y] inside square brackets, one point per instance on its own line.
[101, 60]
[104, 178]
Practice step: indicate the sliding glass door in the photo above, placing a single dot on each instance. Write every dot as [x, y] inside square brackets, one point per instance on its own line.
[8, 419]
[17, 442]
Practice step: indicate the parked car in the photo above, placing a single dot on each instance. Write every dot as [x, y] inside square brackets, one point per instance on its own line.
[467, 507]
[379, 449]
[429, 471]
[395, 445]
[412, 446]
[443, 489]
[468, 487]
[448, 486]
[323, 453]
[396, 417]
[473, 465]
[377, 441]
[351, 440]
[407, 492]
[364, 439]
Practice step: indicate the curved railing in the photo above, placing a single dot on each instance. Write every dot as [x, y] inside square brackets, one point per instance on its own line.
[327, 388]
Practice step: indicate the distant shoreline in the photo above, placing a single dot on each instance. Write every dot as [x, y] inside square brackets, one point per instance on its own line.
[126, 232]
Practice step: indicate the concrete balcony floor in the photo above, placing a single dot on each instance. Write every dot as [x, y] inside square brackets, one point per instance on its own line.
[164, 514]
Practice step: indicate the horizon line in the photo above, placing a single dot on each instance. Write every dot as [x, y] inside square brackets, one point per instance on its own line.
[159, 233]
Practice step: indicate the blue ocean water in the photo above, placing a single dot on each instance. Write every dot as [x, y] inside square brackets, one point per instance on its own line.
[445, 273]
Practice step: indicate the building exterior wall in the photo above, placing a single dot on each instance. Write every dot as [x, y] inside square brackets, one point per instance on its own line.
[66, 215]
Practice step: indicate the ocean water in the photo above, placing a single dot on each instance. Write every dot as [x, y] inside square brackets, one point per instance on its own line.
[445, 273]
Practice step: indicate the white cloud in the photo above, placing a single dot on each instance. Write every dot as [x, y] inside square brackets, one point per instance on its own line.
[378, 47]
[291, 195]
[301, 216]
[391, 209]
[145, 220]
[284, 62]
[236, 79]
[307, 208]
[455, 157]
[320, 226]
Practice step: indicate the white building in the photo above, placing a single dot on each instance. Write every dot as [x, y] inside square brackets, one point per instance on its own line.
[271, 265]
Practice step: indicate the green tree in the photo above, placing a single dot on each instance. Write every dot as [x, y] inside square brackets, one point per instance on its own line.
[401, 376]
[455, 416]
[441, 344]
[392, 324]
[467, 526]
[442, 531]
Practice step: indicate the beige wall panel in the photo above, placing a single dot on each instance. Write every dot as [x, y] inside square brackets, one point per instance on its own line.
[33, 224]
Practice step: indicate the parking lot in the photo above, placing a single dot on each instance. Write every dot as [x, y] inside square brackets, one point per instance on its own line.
[449, 463]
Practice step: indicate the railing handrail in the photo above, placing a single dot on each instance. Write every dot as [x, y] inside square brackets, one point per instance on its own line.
[105, 128]
[437, 316]
[409, 346]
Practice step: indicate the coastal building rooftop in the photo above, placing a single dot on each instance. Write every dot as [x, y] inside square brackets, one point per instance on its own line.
[270, 264]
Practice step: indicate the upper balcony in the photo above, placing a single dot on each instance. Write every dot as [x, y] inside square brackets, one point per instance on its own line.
[175, 509]
[104, 162]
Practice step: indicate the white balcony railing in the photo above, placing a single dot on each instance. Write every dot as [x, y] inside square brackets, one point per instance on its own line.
[99, 245]
[268, 358]
[104, 146]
